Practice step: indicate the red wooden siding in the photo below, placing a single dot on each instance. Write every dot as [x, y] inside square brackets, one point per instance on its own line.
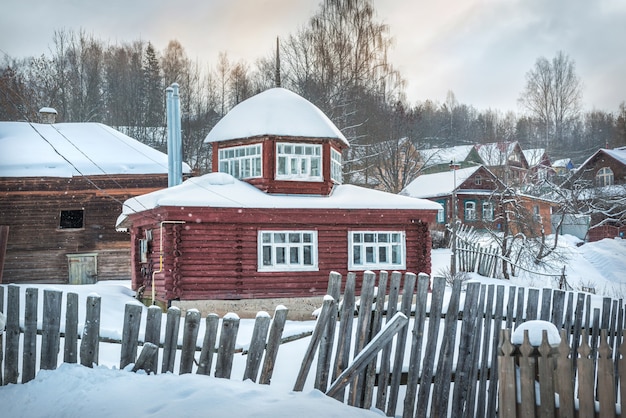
[214, 255]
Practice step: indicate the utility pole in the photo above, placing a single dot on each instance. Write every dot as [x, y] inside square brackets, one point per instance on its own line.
[453, 166]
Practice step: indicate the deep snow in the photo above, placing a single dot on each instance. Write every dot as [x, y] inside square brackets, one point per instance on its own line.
[105, 391]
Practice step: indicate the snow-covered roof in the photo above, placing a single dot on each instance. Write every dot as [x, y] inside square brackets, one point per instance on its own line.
[618, 153]
[495, 153]
[563, 162]
[74, 149]
[533, 156]
[276, 111]
[224, 191]
[436, 156]
[438, 184]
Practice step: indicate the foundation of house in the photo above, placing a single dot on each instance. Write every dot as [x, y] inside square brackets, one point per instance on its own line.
[300, 309]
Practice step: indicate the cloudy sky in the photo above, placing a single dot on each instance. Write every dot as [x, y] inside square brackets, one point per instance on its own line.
[478, 49]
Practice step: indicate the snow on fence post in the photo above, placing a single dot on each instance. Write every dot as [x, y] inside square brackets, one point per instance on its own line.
[130, 334]
[89, 344]
[273, 343]
[190, 336]
[172, 325]
[12, 335]
[51, 336]
[208, 344]
[29, 352]
[257, 346]
[70, 343]
[226, 349]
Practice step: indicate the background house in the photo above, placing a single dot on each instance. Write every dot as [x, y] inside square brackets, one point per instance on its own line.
[436, 160]
[62, 187]
[506, 160]
[275, 220]
[539, 165]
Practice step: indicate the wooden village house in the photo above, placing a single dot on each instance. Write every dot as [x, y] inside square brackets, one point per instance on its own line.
[62, 186]
[273, 219]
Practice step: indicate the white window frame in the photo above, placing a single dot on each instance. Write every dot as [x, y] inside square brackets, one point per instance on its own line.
[604, 177]
[469, 209]
[298, 161]
[365, 248]
[242, 162]
[288, 253]
[336, 170]
[487, 211]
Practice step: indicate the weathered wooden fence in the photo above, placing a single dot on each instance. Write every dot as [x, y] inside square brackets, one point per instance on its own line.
[410, 351]
[262, 346]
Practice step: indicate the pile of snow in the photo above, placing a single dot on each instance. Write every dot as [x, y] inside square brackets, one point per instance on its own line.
[535, 333]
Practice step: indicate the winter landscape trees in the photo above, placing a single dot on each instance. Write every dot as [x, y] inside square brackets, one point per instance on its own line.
[338, 60]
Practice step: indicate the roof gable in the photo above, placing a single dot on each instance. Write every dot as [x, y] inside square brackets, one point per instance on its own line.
[443, 183]
[278, 112]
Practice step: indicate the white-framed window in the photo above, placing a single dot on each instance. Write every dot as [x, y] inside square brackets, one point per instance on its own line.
[487, 211]
[336, 171]
[378, 250]
[298, 161]
[604, 177]
[242, 162]
[287, 251]
[470, 210]
[478, 180]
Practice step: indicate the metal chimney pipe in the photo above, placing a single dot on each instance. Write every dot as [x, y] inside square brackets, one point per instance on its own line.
[169, 108]
[178, 142]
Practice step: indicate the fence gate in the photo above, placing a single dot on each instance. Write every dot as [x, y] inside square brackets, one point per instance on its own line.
[83, 268]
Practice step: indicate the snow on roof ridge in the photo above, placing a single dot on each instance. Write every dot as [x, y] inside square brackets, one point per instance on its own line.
[276, 111]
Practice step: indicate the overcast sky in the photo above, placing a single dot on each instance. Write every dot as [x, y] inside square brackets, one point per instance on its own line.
[479, 49]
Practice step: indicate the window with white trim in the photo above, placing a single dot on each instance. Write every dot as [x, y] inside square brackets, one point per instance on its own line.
[487, 211]
[287, 251]
[242, 162]
[378, 250]
[336, 171]
[604, 177]
[298, 161]
[470, 211]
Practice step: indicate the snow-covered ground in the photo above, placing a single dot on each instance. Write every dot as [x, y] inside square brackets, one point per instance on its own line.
[76, 391]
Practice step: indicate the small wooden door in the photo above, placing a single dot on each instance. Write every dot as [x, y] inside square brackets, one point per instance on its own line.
[83, 268]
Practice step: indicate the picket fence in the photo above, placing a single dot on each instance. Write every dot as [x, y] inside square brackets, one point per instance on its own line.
[447, 365]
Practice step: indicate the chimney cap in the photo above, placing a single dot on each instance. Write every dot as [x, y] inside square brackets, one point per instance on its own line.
[50, 110]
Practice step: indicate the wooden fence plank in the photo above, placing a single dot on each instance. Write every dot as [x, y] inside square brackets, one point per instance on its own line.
[152, 335]
[483, 364]
[510, 307]
[471, 378]
[320, 326]
[226, 349]
[396, 374]
[565, 378]
[443, 376]
[546, 304]
[527, 378]
[558, 308]
[519, 314]
[577, 328]
[586, 405]
[397, 323]
[12, 335]
[606, 379]
[326, 344]
[507, 395]
[208, 344]
[382, 393]
[376, 326]
[89, 347]
[190, 338]
[257, 345]
[417, 342]
[342, 351]
[532, 304]
[493, 382]
[362, 334]
[145, 361]
[29, 349]
[50, 334]
[170, 343]
[1, 336]
[273, 343]
[546, 378]
[130, 334]
[70, 343]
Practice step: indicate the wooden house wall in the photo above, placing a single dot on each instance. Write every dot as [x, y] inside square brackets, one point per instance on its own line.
[214, 254]
[37, 248]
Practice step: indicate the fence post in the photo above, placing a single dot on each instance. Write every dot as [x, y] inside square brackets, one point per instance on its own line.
[130, 334]
[1, 332]
[606, 378]
[326, 345]
[208, 344]
[564, 376]
[70, 342]
[50, 337]
[383, 376]
[29, 355]
[585, 379]
[257, 346]
[226, 350]
[170, 344]
[190, 337]
[507, 402]
[89, 344]
[342, 353]
[153, 336]
[273, 343]
[12, 335]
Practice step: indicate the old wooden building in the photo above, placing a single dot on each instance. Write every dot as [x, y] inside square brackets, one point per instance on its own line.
[61, 190]
[273, 219]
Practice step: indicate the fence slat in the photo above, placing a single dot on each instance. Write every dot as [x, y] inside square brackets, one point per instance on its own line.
[153, 336]
[70, 343]
[323, 359]
[376, 326]
[507, 398]
[208, 344]
[606, 378]
[190, 337]
[29, 350]
[130, 334]
[565, 378]
[342, 351]
[532, 304]
[495, 365]
[257, 346]
[226, 349]
[519, 314]
[172, 326]
[1, 337]
[527, 378]
[546, 378]
[89, 347]
[145, 361]
[50, 334]
[586, 405]
[12, 335]
[483, 366]
[273, 343]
